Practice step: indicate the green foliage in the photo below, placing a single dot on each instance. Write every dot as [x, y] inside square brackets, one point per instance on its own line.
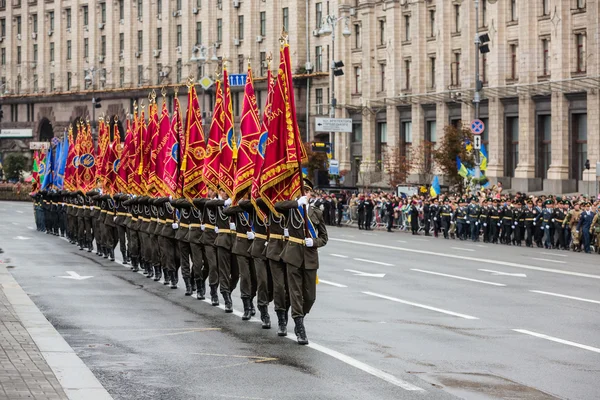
[14, 165]
[453, 145]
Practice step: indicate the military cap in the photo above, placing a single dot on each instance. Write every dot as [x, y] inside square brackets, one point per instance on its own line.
[548, 202]
[308, 184]
[529, 201]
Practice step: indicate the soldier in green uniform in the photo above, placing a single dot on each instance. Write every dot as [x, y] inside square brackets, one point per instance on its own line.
[182, 231]
[301, 255]
[208, 238]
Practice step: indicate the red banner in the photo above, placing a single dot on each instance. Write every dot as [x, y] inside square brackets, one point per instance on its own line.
[151, 139]
[135, 179]
[192, 162]
[103, 142]
[281, 178]
[212, 161]
[87, 161]
[112, 159]
[229, 146]
[71, 167]
[167, 155]
[124, 170]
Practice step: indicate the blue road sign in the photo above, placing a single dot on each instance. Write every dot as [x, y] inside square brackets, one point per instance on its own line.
[237, 79]
[477, 126]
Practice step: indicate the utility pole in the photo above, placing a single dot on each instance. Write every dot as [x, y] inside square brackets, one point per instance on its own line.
[478, 84]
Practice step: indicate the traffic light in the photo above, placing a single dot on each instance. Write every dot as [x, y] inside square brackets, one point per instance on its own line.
[96, 102]
[484, 47]
[337, 68]
[587, 164]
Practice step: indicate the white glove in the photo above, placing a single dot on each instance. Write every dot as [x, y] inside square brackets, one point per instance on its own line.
[547, 226]
[468, 222]
[303, 201]
[216, 229]
[202, 227]
[92, 208]
[286, 232]
[516, 223]
[576, 231]
[309, 242]
[451, 222]
[498, 223]
[485, 224]
[534, 224]
[228, 202]
[321, 207]
[513, 227]
[250, 235]
[542, 227]
[476, 222]
[232, 226]
[552, 219]
[435, 218]
[175, 225]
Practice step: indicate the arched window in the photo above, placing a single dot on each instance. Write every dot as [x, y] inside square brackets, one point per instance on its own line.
[46, 130]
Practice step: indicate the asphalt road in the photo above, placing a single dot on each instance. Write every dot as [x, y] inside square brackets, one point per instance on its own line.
[397, 317]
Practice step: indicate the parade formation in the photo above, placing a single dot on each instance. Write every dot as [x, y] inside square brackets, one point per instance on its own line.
[227, 210]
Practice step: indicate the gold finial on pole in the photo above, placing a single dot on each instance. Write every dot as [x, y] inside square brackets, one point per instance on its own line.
[191, 80]
[135, 106]
[218, 72]
[283, 39]
[176, 91]
[163, 91]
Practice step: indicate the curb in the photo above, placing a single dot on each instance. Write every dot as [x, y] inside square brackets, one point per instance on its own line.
[77, 380]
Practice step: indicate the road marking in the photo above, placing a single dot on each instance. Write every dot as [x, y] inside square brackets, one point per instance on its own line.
[475, 259]
[401, 241]
[31, 228]
[481, 245]
[331, 283]
[554, 254]
[503, 273]
[75, 276]
[410, 303]
[21, 238]
[462, 248]
[350, 236]
[374, 262]
[14, 223]
[548, 260]
[19, 211]
[557, 340]
[565, 296]
[421, 240]
[338, 255]
[368, 234]
[368, 274]
[458, 277]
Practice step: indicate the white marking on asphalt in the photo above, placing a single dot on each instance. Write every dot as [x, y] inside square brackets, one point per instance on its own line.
[565, 296]
[350, 236]
[410, 303]
[14, 223]
[421, 240]
[19, 211]
[462, 248]
[21, 238]
[31, 228]
[554, 254]
[475, 259]
[503, 273]
[481, 245]
[368, 234]
[458, 277]
[401, 241]
[331, 283]
[338, 255]
[75, 276]
[367, 274]
[548, 260]
[374, 262]
[557, 340]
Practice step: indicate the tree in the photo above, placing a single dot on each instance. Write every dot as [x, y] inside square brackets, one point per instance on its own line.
[317, 161]
[14, 165]
[454, 144]
[396, 165]
[422, 160]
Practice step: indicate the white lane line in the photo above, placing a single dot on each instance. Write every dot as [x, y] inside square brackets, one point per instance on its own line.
[401, 241]
[421, 240]
[554, 254]
[368, 234]
[557, 340]
[548, 260]
[565, 296]
[503, 273]
[462, 248]
[462, 278]
[475, 259]
[410, 303]
[338, 255]
[331, 283]
[481, 245]
[350, 236]
[374, 262]
[19, 211]
[330, 352]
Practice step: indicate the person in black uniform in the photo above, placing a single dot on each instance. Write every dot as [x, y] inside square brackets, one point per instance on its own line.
[434, 213]
[558, 219]
[473, 214]
[584, 225]
[538, 233]
[547, 216]
[361, 212]
[495, 215]
[507, 222]
[414, 218]
[388, 207]
[446, 214]
[427, 217]
[369, 206]
[339, 205]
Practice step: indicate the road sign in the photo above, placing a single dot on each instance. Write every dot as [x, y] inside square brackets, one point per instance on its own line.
[321, 147]
[334, 167]
[477, 142]
[237, 79]
[477, 127]
[206, 82]
[39, 145]
[333, 125]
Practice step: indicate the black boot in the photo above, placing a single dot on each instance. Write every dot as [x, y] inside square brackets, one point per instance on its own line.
[252, 309]
[90, 246]
[246, 315]
[81, 245]
[166, 277]
[149, 270]
[201, 289]
[157, 274]
[192, 282]
[125, 260]
[144, 267]
[300, 331]
[111, 253]
[214, 298]
[188, 286]
[265, 317]
[228, 302]
[281, 323]
[135, 264]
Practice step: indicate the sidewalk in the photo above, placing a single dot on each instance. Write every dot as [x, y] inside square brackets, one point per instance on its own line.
[35, 361]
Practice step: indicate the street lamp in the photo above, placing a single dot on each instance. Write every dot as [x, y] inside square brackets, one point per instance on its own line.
[328, 27]
[90, 78]
[481, 46]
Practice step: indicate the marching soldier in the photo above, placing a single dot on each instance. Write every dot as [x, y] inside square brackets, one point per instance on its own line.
[507, 222]
[121, 216]
[547, 216]
[208, 239]
[181, 226]
[558, 220]
[529, 216]
[571, 223]
[495, 224]
[585, 224]
[301, 255]
[473, 214]
[446, 214]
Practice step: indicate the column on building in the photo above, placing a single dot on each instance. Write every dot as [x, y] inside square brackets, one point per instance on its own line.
[368, 91]
[559, 168]
[593, 97]
[525, 171]
[496, 138]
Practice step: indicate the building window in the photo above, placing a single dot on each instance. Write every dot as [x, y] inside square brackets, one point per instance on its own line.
[159, 38]
[357, 38]
[580, 4]
[382, 32]
[51, 20]
[263, 63]
[581, 53]
[318, 59]
[483, 5]
[121, 10]
[140, 40]
[431, 23]
[382, 77]
[513, 11]
[381, 144]
[198, 33]
[484, 68]
[432, 72]
[35, 83]
[319, 101]
[407, 28]
[513, 62]
[3, 56]
[178, 5]
[103, 45]
[356, 133]
[286, 18]
[407, 65]
[219, 30]
[319, 14]
[406, 139]
[51, 51]
[69, 78]
[18, 18]
[263, 24]
[68, 17]
[2, 27]
[241, 27]
[357, 80]
[457, 18]
[140, 9]
[52, 82]
[200, 71]
[159, 7]
[121, 44]
[430, 139]
[546, 57]
[545, 7]
[86, 15]
[140, 69]
[179, 69]
[512, 146]
[455, 73]
[179, 36]
[18, 55]
[121, 76]
[34, 23]
[68, 49]
[580, 135]
[545, 145]
[35, 53]
[103, 13]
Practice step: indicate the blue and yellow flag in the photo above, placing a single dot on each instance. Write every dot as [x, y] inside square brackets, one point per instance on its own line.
[435, 188]
[462, 170]
[483, 157]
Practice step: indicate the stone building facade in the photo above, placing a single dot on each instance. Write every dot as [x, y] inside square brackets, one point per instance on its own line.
[408, 72]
